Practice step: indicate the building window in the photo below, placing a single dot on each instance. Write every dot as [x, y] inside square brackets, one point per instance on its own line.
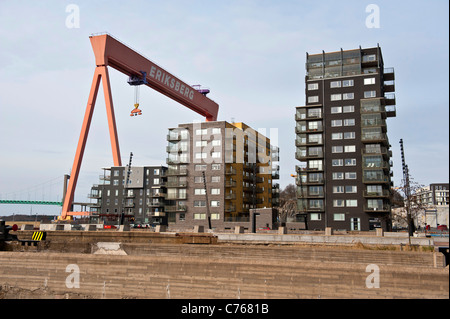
[368, 81]
[215, 154]
[338, 175]
[369, 94]
[338, 189]
[349, 122]
[215, 216]
[315, 138]
[313, 86]
[336, 97]
[201, 131]
[337, 149]
[315, 216]
[351, 203]
[349, 148]
[335, 123]
[337, 162]
[215, 191]
[336, 109]
[338, 217]
[369, 57]
[336, 136]
[215, 167]
[349, 108]
[200, 155]
[199, 203]
[200, 167]
[350, 162]
[313, 99]
[348, 96]
[338, 203]
[216, 130]
[349, 135]
[351, 189]
[215, 203]
[315, 164]
[347, 83]
[116, 173]
[350, 175]
[215, 179]
[199, 191]
[200, 143]
[335, 84]
[199, 216]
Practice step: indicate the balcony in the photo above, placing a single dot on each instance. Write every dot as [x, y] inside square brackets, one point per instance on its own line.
[382, 209]
[173, 136]
[389, 74]
[156, 204]
[375, 179]
[391, 111]
[389, 98]
[177, 184]
[175, 172]
[389, 86]
[230, 170]
[230, 196]
[304, 115]
[374, 122]
[176, 148]
[382, 193]
[230, 183]
[373, 137]
[175, 208]
[230, 208]
[95, 195]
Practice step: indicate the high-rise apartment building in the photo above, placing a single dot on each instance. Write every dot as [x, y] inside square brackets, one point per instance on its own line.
[221, 170]
[344, 180]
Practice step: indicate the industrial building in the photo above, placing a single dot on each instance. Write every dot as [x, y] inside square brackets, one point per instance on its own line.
[344, 180]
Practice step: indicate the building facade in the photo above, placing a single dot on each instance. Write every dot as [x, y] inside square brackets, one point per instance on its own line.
[140, 196]
[436, 194]
[344, 178]
[218, 172]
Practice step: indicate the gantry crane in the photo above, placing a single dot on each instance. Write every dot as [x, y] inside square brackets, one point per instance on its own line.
[109, 51]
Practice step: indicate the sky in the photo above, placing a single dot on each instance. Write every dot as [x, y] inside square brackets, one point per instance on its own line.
[250, 53]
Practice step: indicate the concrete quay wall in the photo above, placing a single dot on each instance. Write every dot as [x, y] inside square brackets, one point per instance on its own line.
[321, 239]
[192, 271]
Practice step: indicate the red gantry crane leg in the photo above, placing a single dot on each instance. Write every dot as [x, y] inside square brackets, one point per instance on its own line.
[110, 52]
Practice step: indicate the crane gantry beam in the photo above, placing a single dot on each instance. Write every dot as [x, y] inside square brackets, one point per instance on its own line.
[109, 51]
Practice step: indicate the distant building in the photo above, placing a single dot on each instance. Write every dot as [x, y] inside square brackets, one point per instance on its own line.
[342, 141]
[436, 194]
[142, 200]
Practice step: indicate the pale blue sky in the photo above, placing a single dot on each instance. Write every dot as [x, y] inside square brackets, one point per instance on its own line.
[251, 54]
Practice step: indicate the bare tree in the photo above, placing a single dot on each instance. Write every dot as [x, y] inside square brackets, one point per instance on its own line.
[288, 203]
[412, 203]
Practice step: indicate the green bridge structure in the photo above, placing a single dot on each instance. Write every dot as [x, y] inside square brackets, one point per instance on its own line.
[30, 202]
